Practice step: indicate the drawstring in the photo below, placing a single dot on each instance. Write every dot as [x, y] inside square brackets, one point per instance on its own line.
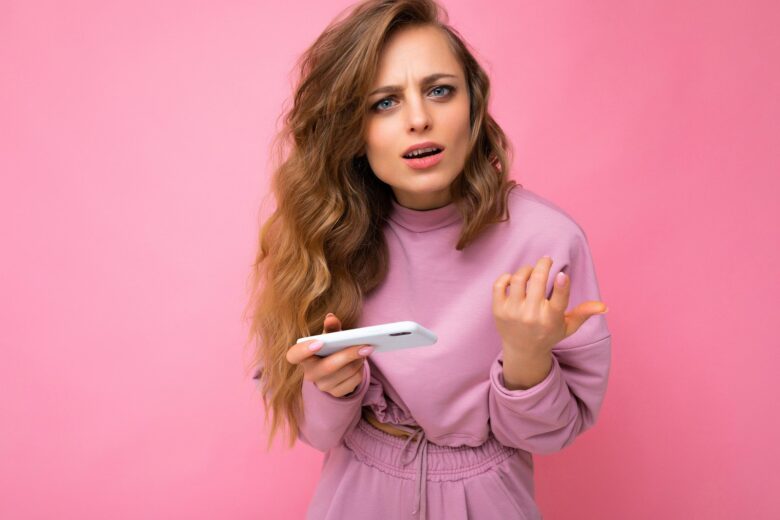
[421, 449]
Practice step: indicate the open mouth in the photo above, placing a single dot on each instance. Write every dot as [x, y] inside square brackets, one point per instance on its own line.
[424, 153]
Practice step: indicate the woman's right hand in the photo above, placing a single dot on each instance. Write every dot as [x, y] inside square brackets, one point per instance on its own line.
[337, 374]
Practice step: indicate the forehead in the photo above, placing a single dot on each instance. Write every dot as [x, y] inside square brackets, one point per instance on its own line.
[415, 51]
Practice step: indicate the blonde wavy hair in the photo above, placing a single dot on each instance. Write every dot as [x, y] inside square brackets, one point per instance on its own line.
[323, 248]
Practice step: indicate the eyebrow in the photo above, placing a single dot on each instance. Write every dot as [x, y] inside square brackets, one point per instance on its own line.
[427, 80]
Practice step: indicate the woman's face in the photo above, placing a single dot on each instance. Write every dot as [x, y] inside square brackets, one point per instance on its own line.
[416, 111]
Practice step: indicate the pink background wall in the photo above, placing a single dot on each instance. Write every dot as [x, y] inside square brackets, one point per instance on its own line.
[133, 150]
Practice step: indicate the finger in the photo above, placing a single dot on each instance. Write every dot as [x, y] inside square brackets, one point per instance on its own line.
[499, 290]
[580, 314]
[348, 385]
[560, 294]
[330, 381]
[537, 285]
[300, 352]
[322, 367]
[331, 323]
[518, 282]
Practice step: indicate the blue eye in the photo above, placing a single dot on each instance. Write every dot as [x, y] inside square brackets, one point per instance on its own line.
[380, 102]
[449, 90]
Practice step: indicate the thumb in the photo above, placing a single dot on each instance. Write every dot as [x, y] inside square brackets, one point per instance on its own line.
[331, 323]
[580, 314]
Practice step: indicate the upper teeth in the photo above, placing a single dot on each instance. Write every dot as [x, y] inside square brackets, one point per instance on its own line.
[420, 151]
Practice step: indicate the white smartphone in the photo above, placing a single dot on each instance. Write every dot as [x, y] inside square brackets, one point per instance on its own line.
[384, 337]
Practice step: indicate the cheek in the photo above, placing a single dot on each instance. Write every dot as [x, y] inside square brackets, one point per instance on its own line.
[372, 143]
[459, 129]
[380, 136]
[380, 148]
[457, 120]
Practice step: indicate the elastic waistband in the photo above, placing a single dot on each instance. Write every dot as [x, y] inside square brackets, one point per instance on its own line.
[383, 451]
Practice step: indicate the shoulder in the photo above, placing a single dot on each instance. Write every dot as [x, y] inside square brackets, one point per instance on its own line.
[534, 215]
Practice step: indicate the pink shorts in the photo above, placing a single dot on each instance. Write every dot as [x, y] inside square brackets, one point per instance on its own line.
[373, 475]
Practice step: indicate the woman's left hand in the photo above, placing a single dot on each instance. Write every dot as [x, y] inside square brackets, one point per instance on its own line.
[529, 323]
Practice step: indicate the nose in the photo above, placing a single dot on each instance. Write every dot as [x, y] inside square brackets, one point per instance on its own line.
[419, 118]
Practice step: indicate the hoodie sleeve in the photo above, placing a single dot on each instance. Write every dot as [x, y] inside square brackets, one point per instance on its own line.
[547, 417]
[327, 419]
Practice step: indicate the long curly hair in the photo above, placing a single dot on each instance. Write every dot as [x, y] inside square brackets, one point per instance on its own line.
[322, 249]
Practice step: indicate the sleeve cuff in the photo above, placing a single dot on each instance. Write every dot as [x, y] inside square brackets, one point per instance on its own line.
[497, 381]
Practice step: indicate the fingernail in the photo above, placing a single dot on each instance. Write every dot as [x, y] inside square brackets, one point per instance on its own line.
[365, 351]
[560, 279]
[330, 314]
[604, 311]
[315, 345]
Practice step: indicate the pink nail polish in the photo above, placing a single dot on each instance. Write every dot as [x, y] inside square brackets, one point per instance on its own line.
[365, 351]
[560, 279]
[315, 345]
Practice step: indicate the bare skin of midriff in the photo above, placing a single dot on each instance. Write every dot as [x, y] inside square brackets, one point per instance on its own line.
[368, 415]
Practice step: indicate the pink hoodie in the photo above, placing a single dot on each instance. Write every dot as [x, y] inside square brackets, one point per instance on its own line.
[454, 389]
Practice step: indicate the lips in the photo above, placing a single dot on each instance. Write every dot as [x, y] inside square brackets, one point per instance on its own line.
[419, 146]
[423, 163]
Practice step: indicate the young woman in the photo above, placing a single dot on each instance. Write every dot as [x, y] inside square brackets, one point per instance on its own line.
[394, 204]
